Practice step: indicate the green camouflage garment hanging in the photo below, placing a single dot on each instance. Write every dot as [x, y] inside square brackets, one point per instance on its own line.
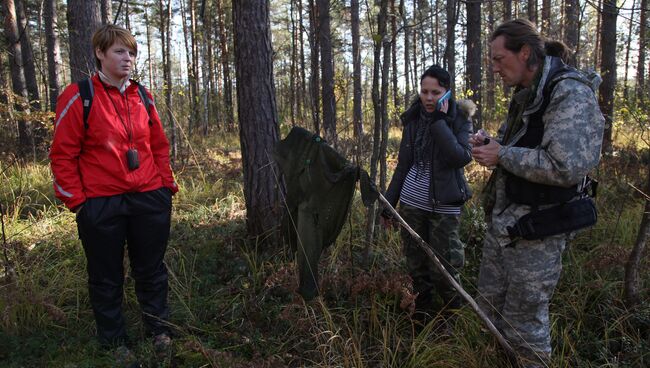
[320, 187]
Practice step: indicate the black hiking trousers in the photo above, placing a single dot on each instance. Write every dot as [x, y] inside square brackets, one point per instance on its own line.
[142, 220]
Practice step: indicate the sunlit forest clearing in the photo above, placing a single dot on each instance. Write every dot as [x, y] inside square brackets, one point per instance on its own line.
[226, 94]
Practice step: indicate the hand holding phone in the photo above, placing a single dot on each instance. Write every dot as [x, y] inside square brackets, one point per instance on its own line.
[442, 99]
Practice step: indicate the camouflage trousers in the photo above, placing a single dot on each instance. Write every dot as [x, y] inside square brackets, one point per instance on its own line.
[515, 286]
[441, 233]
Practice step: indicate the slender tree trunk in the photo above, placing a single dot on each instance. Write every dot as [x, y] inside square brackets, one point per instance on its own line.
[293, 66]
[532, 10]
[356, 73]
[327, 67]
[385, 122]
[196, 82]
[571, 28]
[106, 11]
[54, 62]
[608, 69]
[474, 54]
[627, 52]
[165, 23]
[259, 130]
[407, 57]
[450, 47]
[147, 26]
[597, 35]
[225, 67]
[507, 9]
[489, 74]
[28, 57]
[83, 20]
[25, 133]
[546, 17]
[315, 71]
[304, 96]
[632, 279]
[643, 44]
[206, 55]
[393, 41]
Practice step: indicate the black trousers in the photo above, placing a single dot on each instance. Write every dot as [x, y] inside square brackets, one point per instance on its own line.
[142, 220]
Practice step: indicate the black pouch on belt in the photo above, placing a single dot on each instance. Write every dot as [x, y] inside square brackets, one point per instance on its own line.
[560, 219]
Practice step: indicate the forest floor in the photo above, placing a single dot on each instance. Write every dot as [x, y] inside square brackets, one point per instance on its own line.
[233, 299]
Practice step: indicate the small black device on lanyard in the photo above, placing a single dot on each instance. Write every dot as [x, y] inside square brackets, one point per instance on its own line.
[132, 158]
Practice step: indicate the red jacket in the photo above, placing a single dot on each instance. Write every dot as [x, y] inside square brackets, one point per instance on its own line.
[91, 162]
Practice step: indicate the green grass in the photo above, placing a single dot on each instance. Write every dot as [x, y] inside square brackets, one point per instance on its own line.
[233, 301]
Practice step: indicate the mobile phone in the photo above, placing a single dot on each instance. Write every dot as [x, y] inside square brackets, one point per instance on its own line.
[444, 97]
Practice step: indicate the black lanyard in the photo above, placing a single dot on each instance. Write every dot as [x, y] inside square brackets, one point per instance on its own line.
[129, 133]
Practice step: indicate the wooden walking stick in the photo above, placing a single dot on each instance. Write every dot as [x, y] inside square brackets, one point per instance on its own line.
[425, 247]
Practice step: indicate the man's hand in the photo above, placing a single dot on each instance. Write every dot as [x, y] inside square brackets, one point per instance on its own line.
[487, 154]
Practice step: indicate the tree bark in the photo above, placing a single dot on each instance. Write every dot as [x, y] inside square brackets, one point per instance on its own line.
[106, 11]
[29, 67]
[546, 17]
[327, 68]
[643, 44]
[474, 54]
[165, 21]
[571, 28]
[608, 69]
[532, 10]
[225, 67]
[489, 74]
[385, 122]
[25, 133]
[83, 20]
[258, 128]
[632, 286]
[314, 45]
[627, 52]
[407, 57]
[450, 47]
[54, 62]
[357, 119]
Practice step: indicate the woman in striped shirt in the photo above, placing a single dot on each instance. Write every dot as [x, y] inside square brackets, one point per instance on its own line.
[429, 183]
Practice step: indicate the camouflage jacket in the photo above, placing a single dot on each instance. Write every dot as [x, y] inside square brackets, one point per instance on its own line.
[570, 147]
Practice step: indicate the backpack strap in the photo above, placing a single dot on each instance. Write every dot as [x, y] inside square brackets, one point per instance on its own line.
[86, 92]
[145, 99]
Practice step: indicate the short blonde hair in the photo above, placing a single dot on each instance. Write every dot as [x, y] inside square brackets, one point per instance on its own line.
[107, 35]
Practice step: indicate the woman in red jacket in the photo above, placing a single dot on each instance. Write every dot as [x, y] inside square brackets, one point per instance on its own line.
[111, 167]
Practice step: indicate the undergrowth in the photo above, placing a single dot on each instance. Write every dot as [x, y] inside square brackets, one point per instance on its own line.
[233, 299]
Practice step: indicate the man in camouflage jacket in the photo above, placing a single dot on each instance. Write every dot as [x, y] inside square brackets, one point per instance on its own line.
[517, 277]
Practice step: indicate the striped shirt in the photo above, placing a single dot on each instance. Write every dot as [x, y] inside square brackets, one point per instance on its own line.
[415, 192]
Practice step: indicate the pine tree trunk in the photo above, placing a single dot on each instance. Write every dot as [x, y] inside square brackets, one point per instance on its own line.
[293, 67]
[474, 54]
[165, 21]
[393, 41]
[643, 44]
[450, 48]
[54, 62]
[571, 28]
[507, 9]
[29, 67]
[197, 117]
[327, 68]
[385, 122]
[259, 130]
[83, 20]
[608, 69]
[25, 133]
[489, 74]
[106, 12]
[632, 285]
[407, 56]
[356, 72]
[532, 10]
[546, 17]
[314, 44]
[627, 52]
[304, 96]
[225, 67]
